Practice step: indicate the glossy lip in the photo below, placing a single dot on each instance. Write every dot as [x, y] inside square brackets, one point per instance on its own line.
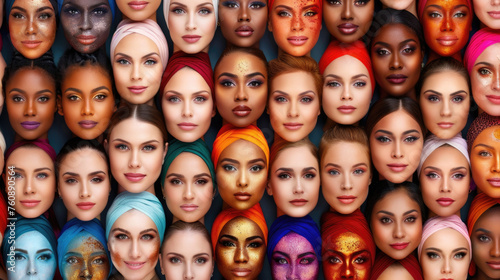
[242, 196]
[30, 125]
[134, 177]
[242, 111]
[297, 40]
[189, 207]
[137, 89]
[244, 31]
[241, 272]
[397, 167]
[86, 39]
[347, 28]
[30, 203]
[445, 201]
[400, 245]
[445, 125]
[299, 202]
[494, 14]
[447, 40]
[293, 126]
[191, 39]
[85, 205]
[187, 126]
[494, 264]
[495, 182]
[31, 44]
[346, 109]
[396, 78]
[495, 99]
[138, 5]
[87, 124]
[347, 199]
[134, 265]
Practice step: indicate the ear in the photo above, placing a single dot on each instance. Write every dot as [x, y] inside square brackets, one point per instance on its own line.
[269, 25]
[214, 110]
[106, 146]
[164, 152]
[161, 265]
[59, 191]
[268, 189]
[59, 105]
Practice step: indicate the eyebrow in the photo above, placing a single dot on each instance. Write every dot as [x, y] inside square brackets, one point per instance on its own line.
[439, 169]
[179, 93]
[254, 237]
[300, 94]
[228, 236]
[387, 45]
[42, 169]
[234, 76]
[390, 133]
[483, 145]
[338, 166]
[257, 160]
[76, 174]
[392, 214]
[440, 94]
[24, 92]
[147, 142]
[199, 5]
[230, 160]
[483, 230]
[485, 63]
[441, 8]
[37, 10]
[439, 250]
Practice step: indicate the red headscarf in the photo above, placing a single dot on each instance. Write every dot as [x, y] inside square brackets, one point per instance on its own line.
[383, 261]
[40, 143]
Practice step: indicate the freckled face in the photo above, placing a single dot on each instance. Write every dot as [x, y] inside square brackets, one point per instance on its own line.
[485, 82]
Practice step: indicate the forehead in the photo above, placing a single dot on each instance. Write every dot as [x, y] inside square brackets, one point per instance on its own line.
[242, 228]
[242, 150]
[84, 242]
[489, 136]
[293, 244]
[394, 34]
[397, 121]
[134, 221]
[30, 157]
[32, 242]
[239, 62]
[396, 202]
[347, 243]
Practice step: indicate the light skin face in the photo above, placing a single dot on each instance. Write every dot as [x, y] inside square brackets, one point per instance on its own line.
[294, 258]
[347, 256]
[241, 174]
[243, 22]
[396, 58]
[294, 181]
[409, 5]
[240, 249]
[87, 101]
[445, 102]
[445, 255]
[446, 25]
[485, 238]
[240, 88]
[32, 27]
[35, 181]
[187, 254]
[444, 181]
[86, 24]
[136, 150]
[485, 80]
[294, 105]
[187, 107]
[345, 176]
[348, 20]
[396, 224]
[485, 161]
[395, 271]
[347, 91]
[396, 143]
[488, 13]
[192, 25]
[85, 258]
[84, 184]
[138, 10]
[35, 258]
[134, 245]
[31, 103]
[295, 25]
[137, 69]
[188, 188]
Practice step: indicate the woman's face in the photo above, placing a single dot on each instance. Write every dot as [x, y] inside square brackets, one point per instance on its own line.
[240, 88]
[134, 245]
[243, 22]
[396, 57]
[240, 249]
[485, 82]
[192, 25]
[488, 13]
[86, 24]
[396, 143]
[346, 256]
[484, 239]
[31, 103]
[84, 183]
[85, 258]
[136, 150]
[295, 25]
[86, 101]
[348, 20]
[32, 27]
[485, 161]
[241, 174]
[445, 103]
[35, 258]
[187, 254]
[294, 258]
[294, 105]
[347, 91]
[345, 175]
[188, 188]
[445, 255]
[137, 69]
[294, 181]
[444, 181]
[35, 181]
[138, 10]
[188, 107]
[396, 224]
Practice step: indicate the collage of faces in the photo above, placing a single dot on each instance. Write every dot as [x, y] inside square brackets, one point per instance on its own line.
[250, 139]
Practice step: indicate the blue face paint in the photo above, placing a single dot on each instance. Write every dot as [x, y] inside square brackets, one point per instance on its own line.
[35, 258]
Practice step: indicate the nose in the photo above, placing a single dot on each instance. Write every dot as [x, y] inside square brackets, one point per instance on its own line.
[31, 269]
[398, 230]
[496, 81]
[88, 108]
[135, 251]
[445, 109]
[496, 163]
[445, 185]
[347, 184]
[243, 180]
[346, 94]
[85, 190]
[29, 186]
[188, 192]
[495, 2]
[293, 109]
[298, 188]
[347, 271]
[243, 15]
[446, 269]
[191, 22]
[292, 273]
[241, 94]
[346, 13]
[241, 255]
[85, 22]
[395, 62]
[30, 108]
[136, 74]
[134, 160]
[32, 26]
[187, 111]
[297, 23]
[85, 272]
[447, 24]
[397, 151]
[495, 248]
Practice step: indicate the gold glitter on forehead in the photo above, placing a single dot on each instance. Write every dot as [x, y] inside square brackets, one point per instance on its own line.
[348, 243]
[242, 66]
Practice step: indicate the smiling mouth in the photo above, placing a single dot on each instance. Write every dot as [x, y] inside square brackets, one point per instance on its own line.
[134, 265]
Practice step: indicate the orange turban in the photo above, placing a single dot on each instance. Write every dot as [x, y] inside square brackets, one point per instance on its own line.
[255, 214]
[229, 134]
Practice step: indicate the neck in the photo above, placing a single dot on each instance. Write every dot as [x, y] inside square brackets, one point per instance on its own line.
[150, 189]
[152, 17]
[18, 137]
[175, 219]
[411, 94]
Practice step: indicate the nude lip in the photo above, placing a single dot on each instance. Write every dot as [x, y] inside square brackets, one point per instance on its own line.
[85, 205]
[241, 272]
[87, 124]
[397, 167]
[189, 207]
[495, 99]
[242, 111]
[494, 14]
[346, 109]
[86, 39]
[134, 177]
[447, 40]
[400, 245]
[396, 78]
[29, 125]
[494, 264]
[187, 126]
[445, 201]
[31, 44]
[138, 5]
[134, 265]
[495, 182]
[347, 28]
[297, 40]
[191, 39]
[242, 196]
[299, 202]
[244, 31]
[293, 126]
[137, 89]
[445, 125]
[30, 203]
[346, 199]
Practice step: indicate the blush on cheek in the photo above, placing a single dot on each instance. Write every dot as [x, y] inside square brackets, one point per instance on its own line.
[115, 256]
[153, 258]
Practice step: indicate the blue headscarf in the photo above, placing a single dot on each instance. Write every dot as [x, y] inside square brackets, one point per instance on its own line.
[112, 6]
[305, 227]
[72, 229]
[10, 3]
[24, 225]
[197, 147]
[145, 202]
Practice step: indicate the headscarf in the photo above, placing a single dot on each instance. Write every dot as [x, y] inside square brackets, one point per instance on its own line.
[437, 223]
[199, 62]
[148, 28]
[10, 3]
[482, 122]
[304, 226]
[482, 39]
[72, 229]
[112, 6]
[410, 263]
[166, 8]
[334, 224]
[270, 4]
[338, 49]
[197, 147]
[421, 7]
[40, 143]
[145, 202]
[254, 214]
[229, 134]
[433, 142]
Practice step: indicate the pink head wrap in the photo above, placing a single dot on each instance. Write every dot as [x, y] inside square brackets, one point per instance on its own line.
[437, 223]
[478, 43]
[148, 28]
[421, 7]
[40, 143]
[433, 142]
